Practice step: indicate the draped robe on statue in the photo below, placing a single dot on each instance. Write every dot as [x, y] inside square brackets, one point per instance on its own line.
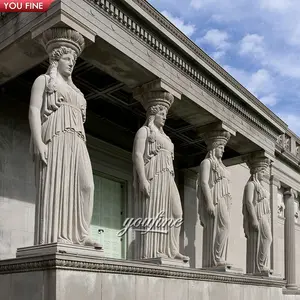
[215, 230]
[65, 185]
[164, 197]
[258, 242]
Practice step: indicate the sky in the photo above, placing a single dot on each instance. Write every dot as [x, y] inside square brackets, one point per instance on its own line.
[257, 42]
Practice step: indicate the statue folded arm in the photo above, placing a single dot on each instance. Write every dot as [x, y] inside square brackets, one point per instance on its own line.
[204, 183]
[34, 116]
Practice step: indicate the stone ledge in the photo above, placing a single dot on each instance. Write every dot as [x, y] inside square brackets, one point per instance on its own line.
[107, 265]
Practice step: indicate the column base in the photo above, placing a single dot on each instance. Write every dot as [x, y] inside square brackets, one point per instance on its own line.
[226, 268]
[161, 261]
[291, 290]
[58, 248]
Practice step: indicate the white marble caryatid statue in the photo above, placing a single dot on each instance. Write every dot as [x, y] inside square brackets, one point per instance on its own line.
[214, 200]
[257, 217]
[154, 185]
[63, 171]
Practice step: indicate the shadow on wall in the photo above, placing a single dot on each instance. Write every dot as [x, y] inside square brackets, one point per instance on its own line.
[237, 242]
[193, 236]
[17, 187]
[16, 164]
[194, 232]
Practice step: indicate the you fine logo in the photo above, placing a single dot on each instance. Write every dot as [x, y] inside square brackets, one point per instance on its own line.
[25, 5]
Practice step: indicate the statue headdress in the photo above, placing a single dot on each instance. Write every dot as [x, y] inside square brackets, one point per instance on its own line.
[57, 37]
[257, 163]
[154, 99]
[216, 138]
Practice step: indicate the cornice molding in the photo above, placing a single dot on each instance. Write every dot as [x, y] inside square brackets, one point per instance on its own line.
[68, 262]
[163, 21]
[287, 156]
[239, 106]
[284, 177]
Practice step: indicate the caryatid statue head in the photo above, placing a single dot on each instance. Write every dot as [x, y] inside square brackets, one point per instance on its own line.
[216, 141]
[63, 46]
[258, 165]
[157, 104]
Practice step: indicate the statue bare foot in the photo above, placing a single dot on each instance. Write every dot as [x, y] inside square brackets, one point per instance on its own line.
[265, 269]
[63, 241]
[182, 257]
[162, 255]
[221, 263]
[89, 242]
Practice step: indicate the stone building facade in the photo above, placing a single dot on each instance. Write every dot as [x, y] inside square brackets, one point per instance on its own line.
[130, 48]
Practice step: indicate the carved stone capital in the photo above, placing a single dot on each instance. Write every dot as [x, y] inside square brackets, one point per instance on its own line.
[215, 127]
[156, 92]
[290, 193]
[215, 138]
[257, 162]
[59, 36]
[153, 98]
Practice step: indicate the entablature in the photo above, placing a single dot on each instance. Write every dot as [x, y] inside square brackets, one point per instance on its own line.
[196, 63]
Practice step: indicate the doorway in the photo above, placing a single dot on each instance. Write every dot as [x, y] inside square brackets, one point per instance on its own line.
[108, 214]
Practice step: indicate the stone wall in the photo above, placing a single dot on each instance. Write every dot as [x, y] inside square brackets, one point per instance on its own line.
[103, 286]
[17, 190]
[237, 241]
[193, 230]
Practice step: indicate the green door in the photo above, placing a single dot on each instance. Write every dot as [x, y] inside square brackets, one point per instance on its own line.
[107, 217]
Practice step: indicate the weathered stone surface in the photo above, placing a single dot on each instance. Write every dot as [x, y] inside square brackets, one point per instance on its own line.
[215, 200]
[155, 189]
[66, 276]
[257, 217]
[63, 170]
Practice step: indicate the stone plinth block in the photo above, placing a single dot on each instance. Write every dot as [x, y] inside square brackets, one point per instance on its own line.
[56, 248]
[161, 261]
[269, 273]
[65, 276]
[227, 268]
